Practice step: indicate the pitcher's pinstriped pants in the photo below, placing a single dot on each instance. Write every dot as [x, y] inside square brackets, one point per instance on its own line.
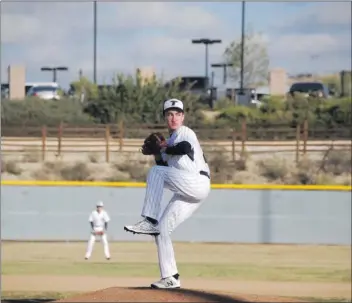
[190, 190]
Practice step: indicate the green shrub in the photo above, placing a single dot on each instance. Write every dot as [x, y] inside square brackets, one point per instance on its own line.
[223, 103]
[234, 115]
[75, 172]
[338, 162]
[335, 112]
[129, 98]
[291, 112]
[136, 102]
[12, 167]
[32, 111]
[272, 105]
[273, 169]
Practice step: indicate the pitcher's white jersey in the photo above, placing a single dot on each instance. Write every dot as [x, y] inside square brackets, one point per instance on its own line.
[193, 162]
[186, 174]
[99, 219]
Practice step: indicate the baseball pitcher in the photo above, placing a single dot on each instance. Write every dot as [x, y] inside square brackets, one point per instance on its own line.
[183, 169]
[98, 219]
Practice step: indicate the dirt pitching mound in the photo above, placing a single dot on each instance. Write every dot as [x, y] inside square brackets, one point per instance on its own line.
[144, 294]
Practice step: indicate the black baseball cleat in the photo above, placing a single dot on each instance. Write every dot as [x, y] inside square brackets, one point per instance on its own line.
[127, 230]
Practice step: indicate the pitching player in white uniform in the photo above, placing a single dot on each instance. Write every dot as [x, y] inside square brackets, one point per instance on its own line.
[98, 219]
[182, 168]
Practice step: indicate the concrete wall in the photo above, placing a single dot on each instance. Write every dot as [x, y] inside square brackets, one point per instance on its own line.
[248, 216]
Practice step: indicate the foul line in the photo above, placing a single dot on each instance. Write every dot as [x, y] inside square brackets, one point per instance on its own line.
[142, 184]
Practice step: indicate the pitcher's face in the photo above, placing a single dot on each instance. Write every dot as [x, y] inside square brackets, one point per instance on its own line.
[99, 209]
[174, 119]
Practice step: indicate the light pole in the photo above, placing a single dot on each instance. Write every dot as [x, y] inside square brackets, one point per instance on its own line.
[242, 44]
[206, 42]
[224, 66]
[95, 42]
[54, 70]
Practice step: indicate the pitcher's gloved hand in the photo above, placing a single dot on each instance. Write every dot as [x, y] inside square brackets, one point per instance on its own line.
[151, 145]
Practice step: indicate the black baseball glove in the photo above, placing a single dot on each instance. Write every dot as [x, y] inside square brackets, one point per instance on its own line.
[151, 145]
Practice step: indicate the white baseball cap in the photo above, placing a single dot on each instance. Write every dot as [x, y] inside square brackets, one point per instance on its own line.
[100, 203]
[175, 104]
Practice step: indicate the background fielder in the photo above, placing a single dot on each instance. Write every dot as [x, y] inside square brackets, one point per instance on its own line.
[181, 168]
[98, 219]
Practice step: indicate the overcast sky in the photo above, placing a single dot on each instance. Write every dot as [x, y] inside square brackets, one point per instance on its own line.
[302, 37]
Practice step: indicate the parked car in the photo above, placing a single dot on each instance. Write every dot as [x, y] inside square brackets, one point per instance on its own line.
[310, 88]
[4, 92]
[45, 92]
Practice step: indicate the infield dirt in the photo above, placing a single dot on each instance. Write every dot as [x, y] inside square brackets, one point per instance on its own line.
[110, 289]
[116, 294]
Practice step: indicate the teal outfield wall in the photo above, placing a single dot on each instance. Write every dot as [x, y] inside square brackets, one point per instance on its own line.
[228, 215]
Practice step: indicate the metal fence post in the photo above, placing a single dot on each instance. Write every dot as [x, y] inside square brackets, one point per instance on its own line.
[265, 226]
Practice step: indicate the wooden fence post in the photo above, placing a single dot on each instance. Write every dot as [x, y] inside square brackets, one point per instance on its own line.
[233, 145]
[59, 139]
[243, 136]
[107, 145]
[121, 135]
[305, 136]
[233, 97]
[298, 138]
[43, 142]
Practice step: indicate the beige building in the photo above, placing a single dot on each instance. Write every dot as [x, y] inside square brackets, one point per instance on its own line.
[278, 82]
[147, 73]
[17, 82]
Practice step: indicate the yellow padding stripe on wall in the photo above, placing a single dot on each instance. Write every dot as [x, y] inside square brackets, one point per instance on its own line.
[141, 184]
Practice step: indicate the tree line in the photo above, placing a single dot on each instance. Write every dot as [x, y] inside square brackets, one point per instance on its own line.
[134, 102]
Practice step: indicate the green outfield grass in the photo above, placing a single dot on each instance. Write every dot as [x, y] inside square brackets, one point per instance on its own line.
[325, 300]
[230, 271]
[22, 295]
[230, 261]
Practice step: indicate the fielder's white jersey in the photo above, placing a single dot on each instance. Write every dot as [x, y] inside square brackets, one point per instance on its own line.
[184, 162]
[99, 219]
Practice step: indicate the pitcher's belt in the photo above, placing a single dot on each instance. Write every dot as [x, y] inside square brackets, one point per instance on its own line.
[204, 173]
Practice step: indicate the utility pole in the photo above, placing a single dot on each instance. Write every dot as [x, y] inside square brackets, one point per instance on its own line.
[242, 44]
[95, 42]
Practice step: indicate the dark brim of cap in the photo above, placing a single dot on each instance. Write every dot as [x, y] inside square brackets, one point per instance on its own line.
[180, 110]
